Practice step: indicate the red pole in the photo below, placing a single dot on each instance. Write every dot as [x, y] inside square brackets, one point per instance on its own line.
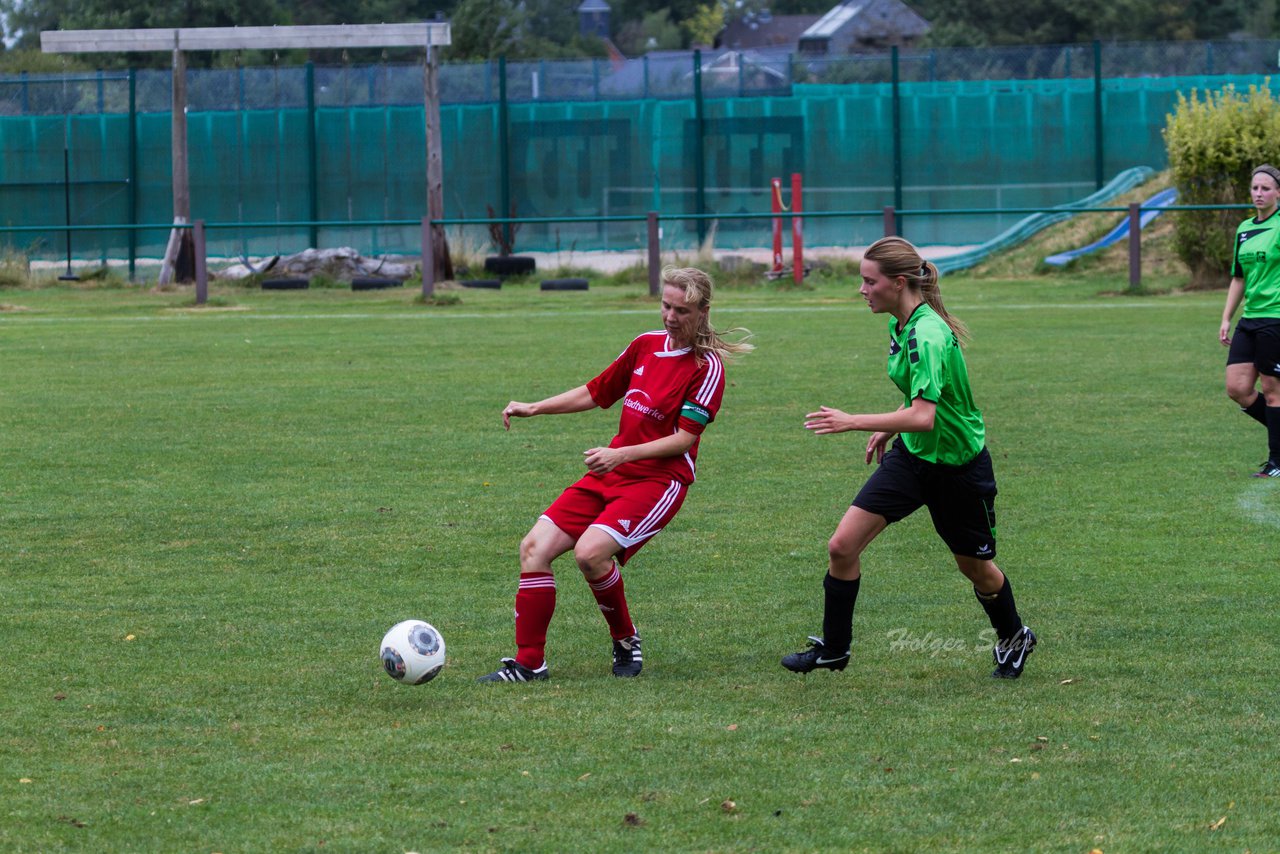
[775, 190]
[797, 231]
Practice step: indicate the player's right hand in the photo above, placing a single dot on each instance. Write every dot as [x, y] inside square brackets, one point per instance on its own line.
[515, 409]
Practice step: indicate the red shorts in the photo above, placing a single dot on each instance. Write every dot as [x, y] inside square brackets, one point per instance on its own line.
[630, 511]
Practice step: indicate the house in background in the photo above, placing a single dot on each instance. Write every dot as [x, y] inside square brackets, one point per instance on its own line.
[763, 29]
[860, 26]
[854, 26]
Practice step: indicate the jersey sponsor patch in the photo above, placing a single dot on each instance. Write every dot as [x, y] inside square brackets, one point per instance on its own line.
[640, 401]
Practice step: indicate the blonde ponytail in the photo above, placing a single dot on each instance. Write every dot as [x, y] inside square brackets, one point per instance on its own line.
[895, 256]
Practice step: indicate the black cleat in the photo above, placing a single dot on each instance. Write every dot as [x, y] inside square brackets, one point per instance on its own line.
[817, 655]
[1011, 655]
[513, 671]
[1269, 469]
[627, 660]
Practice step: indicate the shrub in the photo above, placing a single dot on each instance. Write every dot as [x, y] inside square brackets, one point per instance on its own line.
[1214, 142]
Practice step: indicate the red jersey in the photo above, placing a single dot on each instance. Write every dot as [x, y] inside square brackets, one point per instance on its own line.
[662, 390]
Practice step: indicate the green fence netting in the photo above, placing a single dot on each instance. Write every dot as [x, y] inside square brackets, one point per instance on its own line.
[347, 145]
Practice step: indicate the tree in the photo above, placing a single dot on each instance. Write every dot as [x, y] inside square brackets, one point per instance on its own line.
[656, 31]
[485, 29]
[1016, 22]
[705, 24]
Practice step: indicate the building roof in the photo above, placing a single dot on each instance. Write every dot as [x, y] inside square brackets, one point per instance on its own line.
[870, 19]
[764, 32]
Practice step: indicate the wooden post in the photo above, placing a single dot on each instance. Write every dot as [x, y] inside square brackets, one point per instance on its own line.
[1135, 246]
[428, 252]
[890, 221]
[202, 265]
[441, 268]
[179, 238]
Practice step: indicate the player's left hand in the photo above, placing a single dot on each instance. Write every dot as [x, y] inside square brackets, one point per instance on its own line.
[603, 460]
[828, 420]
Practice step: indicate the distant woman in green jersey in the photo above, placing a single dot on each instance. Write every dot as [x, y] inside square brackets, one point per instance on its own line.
[1254, 353]
[939, 461]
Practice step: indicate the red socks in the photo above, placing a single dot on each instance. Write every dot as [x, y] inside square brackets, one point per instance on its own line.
[612, 599]
[535, 603]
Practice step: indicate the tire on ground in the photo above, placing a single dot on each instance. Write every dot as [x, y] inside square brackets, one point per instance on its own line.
[564, 284]
[373, 283]
[510, 265]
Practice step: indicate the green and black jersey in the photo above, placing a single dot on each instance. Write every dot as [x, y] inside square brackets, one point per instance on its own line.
[1257, 262]
[925, 360]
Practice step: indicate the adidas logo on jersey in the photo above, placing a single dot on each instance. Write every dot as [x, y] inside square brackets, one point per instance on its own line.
[639, 371]
[626, 525]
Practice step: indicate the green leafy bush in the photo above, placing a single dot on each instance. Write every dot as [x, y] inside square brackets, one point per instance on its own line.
[1214, 141]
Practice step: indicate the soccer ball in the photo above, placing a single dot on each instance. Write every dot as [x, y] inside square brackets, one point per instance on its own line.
[412, 652]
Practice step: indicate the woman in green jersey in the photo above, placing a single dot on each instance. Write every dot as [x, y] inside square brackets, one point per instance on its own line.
[1254, 354]
[939, 461]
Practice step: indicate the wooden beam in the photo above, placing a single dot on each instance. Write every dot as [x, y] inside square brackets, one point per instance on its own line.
[436, 34]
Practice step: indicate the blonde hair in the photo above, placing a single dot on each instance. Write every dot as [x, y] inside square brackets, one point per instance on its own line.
[895, 256]
[697, 289]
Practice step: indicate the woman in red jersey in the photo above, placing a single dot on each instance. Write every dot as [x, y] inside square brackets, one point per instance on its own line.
[670, 382]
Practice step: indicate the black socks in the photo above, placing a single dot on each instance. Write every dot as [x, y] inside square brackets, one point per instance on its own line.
[837, 614]
[1001, 610]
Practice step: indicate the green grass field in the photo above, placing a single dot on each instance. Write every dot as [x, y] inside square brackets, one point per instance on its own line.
[209, 517]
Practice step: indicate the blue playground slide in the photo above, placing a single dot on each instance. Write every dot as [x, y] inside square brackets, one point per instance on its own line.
[1132, 177]
[1151, 209]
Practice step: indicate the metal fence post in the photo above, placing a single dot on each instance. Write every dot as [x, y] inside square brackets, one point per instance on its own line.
[504, 153]
[133, 175]
[1098, 165]
[655, 255]
[897, 129]
[700, 150]
[313, 170]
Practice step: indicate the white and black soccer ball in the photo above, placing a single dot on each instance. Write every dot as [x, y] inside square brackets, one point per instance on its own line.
[412, 652]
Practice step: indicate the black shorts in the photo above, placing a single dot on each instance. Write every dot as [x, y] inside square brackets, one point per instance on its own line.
[1257, 341]
[961, 499]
